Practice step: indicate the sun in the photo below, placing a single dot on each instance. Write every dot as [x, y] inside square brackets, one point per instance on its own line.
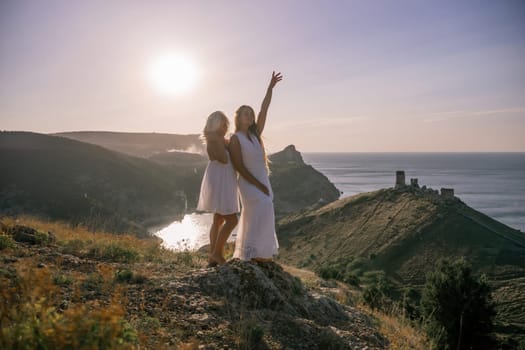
[173, 73]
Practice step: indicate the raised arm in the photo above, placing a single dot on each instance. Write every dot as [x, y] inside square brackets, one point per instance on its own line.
[261, 118]
[238, 164]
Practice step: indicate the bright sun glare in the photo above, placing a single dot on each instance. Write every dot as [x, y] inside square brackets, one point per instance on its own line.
[173, 74]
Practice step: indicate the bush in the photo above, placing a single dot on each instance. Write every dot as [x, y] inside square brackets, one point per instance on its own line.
[73, 246]
[6, 242]
[114, 252]
[128, 276]
[457, 308]
[377, 294]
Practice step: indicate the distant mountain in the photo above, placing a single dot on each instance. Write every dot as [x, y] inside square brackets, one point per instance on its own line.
[297, 185]
[77, 182]
[403, 232]
[140, 144]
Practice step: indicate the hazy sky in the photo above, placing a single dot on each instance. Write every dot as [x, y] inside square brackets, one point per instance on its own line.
[358, 75]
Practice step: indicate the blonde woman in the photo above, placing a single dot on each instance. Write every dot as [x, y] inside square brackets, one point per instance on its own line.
[256, 237]
[218, 193]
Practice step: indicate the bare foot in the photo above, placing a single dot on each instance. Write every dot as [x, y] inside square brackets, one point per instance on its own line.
[217, 259]
[211, 263]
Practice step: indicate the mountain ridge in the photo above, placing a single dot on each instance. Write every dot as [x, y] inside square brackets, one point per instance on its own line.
[66, 179]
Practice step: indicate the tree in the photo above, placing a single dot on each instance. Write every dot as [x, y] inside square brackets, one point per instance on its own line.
[457, 307]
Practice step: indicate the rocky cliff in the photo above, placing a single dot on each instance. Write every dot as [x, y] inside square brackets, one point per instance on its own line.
[298, 185]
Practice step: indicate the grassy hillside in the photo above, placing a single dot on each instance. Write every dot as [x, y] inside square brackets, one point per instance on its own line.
[66, 290]
[402, 233]
[140, 144]
[65, 179]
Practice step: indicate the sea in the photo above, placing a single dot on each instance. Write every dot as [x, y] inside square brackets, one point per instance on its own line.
[492, 183]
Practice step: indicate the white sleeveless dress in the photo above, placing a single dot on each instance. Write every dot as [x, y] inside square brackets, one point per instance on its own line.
[256, 237]
[219, 188]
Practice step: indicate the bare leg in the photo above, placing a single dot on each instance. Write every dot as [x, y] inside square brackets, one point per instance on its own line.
[218, 220]
[224, 232]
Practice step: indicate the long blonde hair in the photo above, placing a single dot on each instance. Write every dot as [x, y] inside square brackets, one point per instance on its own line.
[252, 130]
[213, 123]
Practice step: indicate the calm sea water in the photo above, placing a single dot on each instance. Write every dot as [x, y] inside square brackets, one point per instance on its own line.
[493, 183]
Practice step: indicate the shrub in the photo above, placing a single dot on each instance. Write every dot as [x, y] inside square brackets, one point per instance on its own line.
[73, 246]
[377, 294]
[62, 280]
[128, 276]
[352, 279]
[114, 252]
[457, 308]
[6, 242]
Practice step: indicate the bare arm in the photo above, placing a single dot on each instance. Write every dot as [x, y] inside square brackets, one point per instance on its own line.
[238, 164]
[216, 149]
[261, 118]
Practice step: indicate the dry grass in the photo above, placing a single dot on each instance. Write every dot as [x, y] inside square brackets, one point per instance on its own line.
[398, 329]
[394, 325]
[61, 307]
[309, 278]
[106, 246]
[31, 316]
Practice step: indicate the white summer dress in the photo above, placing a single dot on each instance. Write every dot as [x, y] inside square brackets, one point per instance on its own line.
[219, 188]
[256, 237]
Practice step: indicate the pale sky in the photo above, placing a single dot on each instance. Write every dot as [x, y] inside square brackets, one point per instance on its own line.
[359, 76]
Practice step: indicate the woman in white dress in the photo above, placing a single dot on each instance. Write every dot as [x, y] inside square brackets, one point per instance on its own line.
[256, 238]
[218, 193]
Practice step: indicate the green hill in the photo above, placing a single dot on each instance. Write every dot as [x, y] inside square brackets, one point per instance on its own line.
[403, 233]
[140, 144]
[79, 182]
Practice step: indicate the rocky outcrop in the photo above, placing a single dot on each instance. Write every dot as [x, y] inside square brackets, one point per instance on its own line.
[297, 185]
[289, 155]
[29, 235]
[261, 298]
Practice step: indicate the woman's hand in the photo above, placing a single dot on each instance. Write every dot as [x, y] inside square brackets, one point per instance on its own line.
[275, 79]
[263, 188]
